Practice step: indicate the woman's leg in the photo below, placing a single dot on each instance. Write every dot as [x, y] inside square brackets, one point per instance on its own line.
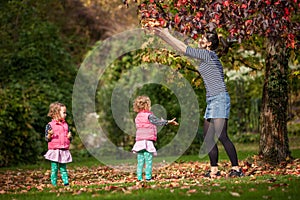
[148, 159]
[54, 170]
[210, 143]
[140, 165]
[64, 173]
[221, 132]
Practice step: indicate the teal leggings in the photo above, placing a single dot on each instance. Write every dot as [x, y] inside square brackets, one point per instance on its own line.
[63, 172]
[144, 158]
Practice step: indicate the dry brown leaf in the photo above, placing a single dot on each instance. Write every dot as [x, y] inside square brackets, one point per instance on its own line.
[235, 194]
[192, 191]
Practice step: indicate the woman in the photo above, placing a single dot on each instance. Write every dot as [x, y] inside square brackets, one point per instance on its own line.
[217, 98]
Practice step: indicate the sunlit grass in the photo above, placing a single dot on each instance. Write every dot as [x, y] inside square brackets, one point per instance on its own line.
[263, 187]
[250, 187]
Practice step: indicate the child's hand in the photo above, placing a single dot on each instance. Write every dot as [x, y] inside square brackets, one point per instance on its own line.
[69, 135]
[173, 122]
[50, 133]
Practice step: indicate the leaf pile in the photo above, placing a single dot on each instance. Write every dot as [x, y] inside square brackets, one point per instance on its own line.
[182, 175]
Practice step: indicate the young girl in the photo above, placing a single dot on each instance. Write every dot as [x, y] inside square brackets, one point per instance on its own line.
[58, 136]
[146, 134]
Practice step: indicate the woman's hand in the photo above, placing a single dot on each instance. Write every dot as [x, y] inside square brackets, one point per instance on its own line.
[159, 31]
[165, 35]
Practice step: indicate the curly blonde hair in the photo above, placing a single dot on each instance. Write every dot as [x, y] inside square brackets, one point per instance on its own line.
[54, 110]
[141, 103]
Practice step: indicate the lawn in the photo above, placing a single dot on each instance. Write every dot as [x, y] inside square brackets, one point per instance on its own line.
[182, 179]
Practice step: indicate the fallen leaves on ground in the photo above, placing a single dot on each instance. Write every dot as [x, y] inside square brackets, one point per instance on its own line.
[182, 175]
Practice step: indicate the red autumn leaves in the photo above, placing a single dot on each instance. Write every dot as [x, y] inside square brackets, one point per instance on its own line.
[239, 17]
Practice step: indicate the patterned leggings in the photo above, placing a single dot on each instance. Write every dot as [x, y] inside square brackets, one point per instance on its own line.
[144, 158]
[63, 172]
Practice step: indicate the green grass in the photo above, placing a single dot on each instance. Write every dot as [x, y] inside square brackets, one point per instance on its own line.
[264, 187]
[269, 186]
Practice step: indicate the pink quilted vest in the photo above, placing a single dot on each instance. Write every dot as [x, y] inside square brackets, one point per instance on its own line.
[144, 129]
[59, 138]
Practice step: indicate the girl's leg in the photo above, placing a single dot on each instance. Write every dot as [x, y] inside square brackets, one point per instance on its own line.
[210, 143]
[54, 170]
[221, 131]
[140, 165]
[148, 159]
[64, 173]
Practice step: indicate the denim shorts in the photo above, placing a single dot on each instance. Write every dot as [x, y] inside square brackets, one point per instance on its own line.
[218, 106]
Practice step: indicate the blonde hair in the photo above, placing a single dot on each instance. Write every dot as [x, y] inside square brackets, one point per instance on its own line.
[54, 110]
[141, 103]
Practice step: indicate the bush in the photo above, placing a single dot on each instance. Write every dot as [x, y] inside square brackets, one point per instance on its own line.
[246, 138]
[35, 70]
[19, 142]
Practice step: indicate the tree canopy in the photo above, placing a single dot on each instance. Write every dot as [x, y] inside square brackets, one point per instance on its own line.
[277, 21]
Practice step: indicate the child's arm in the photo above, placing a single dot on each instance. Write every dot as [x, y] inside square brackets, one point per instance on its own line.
[161, 122]
[48, 132]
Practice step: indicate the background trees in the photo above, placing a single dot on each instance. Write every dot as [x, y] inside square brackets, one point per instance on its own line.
[35, 70]
[44, 42]
[275, 21]
[42, 45]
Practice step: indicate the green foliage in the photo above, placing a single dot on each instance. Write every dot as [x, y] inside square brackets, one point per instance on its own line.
[246, 138]
[19, 142]
[245, 92]
[159, 93]
[294, 129]
[35, 70]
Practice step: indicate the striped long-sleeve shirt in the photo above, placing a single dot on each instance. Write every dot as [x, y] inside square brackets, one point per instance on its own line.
[210, 69]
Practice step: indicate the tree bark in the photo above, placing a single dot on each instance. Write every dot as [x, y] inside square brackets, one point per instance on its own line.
[274, 145]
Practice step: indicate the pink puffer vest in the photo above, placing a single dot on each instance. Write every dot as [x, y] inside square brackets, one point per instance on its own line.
[144, 129]
[59, 138]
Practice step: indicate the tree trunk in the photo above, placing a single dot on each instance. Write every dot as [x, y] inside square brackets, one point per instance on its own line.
[274, 145]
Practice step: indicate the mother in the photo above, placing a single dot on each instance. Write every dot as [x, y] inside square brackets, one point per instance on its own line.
[217, 97]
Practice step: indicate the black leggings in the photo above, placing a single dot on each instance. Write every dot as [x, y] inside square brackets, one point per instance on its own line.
[218, 128]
